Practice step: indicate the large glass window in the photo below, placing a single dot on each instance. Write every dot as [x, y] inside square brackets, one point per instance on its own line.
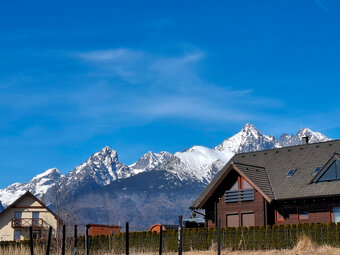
[17, 235]
[336, 214]
[245, 184]
[35, 218]
[332, 172]
[240, 191]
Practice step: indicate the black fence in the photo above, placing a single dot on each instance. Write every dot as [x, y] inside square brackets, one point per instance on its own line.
[184, 240]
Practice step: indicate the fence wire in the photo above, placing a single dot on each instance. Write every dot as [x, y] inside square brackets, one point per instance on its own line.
[199, 239]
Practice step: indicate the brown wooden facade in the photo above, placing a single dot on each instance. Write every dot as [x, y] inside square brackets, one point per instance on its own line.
[259, 212]
[290, 185]
[235, 214]
[318, 210]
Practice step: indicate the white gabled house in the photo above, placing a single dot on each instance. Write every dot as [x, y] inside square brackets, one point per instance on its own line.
[27, 211]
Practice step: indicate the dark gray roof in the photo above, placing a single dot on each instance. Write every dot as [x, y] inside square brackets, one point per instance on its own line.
[268, 169]
[259, 176]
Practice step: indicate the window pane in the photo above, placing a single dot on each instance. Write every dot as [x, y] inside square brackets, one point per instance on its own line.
[338, 169]
[246, 185]
[330, 174]
[303, 214]
[17, 234]
[17, 215]
[336, 214]
[235, 186]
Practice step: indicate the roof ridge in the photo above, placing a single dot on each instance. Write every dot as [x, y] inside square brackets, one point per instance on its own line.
[233, 162]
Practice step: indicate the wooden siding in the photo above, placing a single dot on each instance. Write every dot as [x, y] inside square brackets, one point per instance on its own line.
[319, 210]
[257, 206]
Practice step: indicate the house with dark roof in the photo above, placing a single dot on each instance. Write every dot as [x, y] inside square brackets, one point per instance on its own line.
[27, 211]
[297, 184]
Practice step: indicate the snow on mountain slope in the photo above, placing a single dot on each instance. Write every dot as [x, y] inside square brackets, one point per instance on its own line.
[314, 137]
[149, 161]
[197, 163]
[102, 167]
[248, 139]
[38, 186]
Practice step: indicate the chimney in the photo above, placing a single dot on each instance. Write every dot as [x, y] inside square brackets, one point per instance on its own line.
[305, 140]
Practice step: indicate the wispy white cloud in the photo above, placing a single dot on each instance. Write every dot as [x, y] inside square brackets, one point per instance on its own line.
[322, 5]
[126, 87]
[171, 87]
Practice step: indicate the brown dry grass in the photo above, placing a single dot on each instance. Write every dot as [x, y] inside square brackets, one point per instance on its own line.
[304, 247]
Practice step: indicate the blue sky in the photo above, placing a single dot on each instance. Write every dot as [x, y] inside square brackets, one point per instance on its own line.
[159, 75]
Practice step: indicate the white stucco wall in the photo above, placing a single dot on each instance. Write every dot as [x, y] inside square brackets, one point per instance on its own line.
[25, 206]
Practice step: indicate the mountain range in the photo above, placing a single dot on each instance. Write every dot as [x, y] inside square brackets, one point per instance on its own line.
[156, 188]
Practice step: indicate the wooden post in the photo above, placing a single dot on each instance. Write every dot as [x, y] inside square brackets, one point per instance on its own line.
[49, 241]
[160, 239]
[180, 235]
[63, 244]
[31, 240]
[127, 238]
[219, 236]
[87, 243]
[75, 240]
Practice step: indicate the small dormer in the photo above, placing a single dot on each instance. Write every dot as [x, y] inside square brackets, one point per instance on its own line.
[330, 172]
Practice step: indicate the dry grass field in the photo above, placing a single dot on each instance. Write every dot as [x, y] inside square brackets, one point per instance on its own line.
[304, 247]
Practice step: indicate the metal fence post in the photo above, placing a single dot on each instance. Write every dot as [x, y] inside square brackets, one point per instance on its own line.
[75, 240]
[127, 238]
[31, 240]
[49, 241]
[87, 243]
[180, 235]
[160, 239]
[219, 236]
[63, 244]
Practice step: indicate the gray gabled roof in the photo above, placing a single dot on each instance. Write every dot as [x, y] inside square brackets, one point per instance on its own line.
[268, 169]
[27, 193]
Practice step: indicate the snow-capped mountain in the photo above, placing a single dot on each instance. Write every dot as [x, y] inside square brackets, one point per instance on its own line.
[149, 161]
[190, 169]
[198, 163]
[103, 167]
[248, 139]
[289, 140]
[39, 185]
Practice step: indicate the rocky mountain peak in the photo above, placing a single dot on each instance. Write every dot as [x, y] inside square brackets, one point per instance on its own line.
[290, 140]
[248, 139]
[149, 161]
[52, 174]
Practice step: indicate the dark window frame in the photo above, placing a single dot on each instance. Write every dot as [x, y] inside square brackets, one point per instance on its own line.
[336, 161]
[300, 211]
[277, 214]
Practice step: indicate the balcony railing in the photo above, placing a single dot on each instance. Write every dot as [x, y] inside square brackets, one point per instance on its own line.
[29, 222]
[239, 195]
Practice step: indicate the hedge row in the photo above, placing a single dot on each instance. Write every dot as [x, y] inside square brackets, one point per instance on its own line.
[252, 238]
